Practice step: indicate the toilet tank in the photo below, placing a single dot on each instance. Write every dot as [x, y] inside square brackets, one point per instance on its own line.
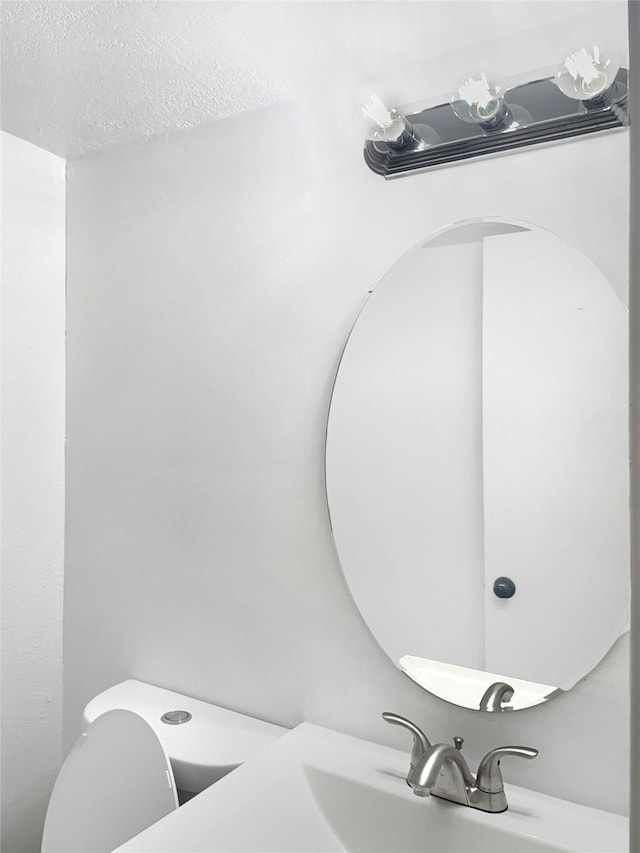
[202, 748]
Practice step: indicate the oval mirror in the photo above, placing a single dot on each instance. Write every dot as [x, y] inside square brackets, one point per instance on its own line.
[477, 464]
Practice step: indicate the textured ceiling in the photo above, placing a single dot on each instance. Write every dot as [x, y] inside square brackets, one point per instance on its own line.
[82, 76]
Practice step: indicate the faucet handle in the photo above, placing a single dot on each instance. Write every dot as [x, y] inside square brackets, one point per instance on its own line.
[421, 742]
[489, 778]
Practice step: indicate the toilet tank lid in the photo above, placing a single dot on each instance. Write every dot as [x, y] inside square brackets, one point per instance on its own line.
[214, 737]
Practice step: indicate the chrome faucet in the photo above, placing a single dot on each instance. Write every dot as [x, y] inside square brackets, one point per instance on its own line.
[421, 742]
[496, 696]
[442, 771]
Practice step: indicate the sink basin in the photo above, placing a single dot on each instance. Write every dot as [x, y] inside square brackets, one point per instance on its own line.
[368, 820]
[318, 791]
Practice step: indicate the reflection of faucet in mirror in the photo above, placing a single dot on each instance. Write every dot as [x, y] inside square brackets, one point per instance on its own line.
[495, 695]
[442, 770]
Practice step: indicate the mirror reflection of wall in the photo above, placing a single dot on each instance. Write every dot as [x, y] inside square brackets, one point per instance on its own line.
[477, 432]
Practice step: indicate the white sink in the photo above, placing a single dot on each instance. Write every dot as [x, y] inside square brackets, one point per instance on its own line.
[365, 818]
[316, 791]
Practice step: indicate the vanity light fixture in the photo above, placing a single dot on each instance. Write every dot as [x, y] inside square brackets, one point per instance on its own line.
[587, 93]
[393, 130]
[480, 100]
[389, 126]
[588, 74]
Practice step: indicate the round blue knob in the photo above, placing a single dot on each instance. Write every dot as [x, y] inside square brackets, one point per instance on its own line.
[504, 587]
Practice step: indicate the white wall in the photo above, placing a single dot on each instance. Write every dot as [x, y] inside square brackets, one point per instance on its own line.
[634, 303]
[213, 277]
[33, 329]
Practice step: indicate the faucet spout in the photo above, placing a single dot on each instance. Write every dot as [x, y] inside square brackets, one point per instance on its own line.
[442, 766]
[496, 696]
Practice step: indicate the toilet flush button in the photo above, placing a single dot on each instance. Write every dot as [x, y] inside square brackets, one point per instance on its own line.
[174, 718]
